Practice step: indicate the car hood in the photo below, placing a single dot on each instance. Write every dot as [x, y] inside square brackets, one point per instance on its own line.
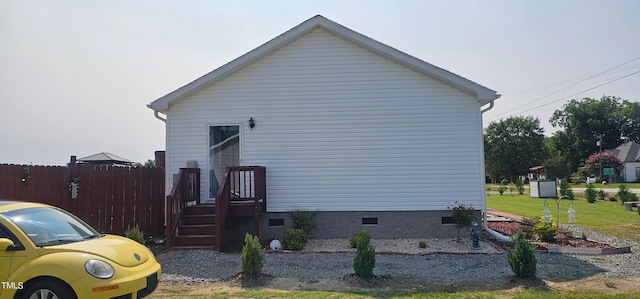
[120, 250]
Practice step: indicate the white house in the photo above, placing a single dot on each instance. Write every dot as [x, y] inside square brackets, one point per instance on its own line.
[370, 136]
[629, 154]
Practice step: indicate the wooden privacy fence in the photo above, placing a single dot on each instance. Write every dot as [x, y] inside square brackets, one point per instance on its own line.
[110, 198]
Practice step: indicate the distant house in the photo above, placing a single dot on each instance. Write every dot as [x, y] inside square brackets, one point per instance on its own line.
[105, 159]
[371, 137]
[629, 154]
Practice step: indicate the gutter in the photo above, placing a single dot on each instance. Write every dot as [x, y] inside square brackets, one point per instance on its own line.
[157, 114]
[490, 104]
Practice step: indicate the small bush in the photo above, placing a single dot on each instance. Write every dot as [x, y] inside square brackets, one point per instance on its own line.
[501, 189]
[135, 234]
[520, 186]
[512, 188]
[462, 216]
[355, 238]
[422, 244]
[570, 193]
[625, 195]
[365, 259]
[613, 198]
[303, 219]
[294, 239]
[522, 258]
[252, 255]
[564, 187]
[545, 231]
[602, 195]
[590, 193]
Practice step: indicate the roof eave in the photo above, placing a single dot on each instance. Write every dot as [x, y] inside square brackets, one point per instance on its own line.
[483, 94]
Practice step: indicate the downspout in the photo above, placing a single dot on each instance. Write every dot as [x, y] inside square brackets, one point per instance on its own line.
[490, 104]
[500, 237]
[164, 120]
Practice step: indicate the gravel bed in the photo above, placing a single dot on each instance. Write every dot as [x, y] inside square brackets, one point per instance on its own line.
[442, 259]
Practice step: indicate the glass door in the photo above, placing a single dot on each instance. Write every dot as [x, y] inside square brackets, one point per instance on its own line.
[224, 150]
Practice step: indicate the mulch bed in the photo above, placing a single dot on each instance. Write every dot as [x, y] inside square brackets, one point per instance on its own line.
[509, 228]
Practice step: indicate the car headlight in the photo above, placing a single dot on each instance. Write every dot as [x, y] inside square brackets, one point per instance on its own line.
[99, 269]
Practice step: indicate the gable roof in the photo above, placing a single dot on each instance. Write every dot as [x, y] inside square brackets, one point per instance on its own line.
[483, 94]
[105, 158]
[628, 152]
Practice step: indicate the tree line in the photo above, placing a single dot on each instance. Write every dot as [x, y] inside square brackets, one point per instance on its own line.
[586, 128]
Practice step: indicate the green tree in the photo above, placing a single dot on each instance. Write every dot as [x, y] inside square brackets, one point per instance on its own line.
[512, 146]
[584, 122]
[607, 160]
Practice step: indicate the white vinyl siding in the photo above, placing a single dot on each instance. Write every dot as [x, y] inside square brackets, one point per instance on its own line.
[340, 128]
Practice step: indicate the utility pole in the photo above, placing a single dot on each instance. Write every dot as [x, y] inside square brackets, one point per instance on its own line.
[599, 143]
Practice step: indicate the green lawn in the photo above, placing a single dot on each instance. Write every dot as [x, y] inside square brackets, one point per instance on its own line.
[603, 216]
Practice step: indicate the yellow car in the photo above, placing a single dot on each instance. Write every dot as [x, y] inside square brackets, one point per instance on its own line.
[46, 252]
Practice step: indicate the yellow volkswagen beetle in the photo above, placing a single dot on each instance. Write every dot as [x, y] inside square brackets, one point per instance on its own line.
[46, 252]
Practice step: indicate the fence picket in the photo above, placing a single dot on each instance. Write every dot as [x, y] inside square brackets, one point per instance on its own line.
[110, 198]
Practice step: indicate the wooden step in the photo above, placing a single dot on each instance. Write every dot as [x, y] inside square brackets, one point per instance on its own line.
[194, 240]
[200, 209]
[196, 229]
[198, 219]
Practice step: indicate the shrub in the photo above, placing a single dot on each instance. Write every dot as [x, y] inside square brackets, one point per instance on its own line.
[461, 216]
[602, 195]
[512, 188]
[590, 193]
[564, 187]
[355, 238]
[303, 219]
[422, 244]
[570, 193]
[522, 258]
[527, 227]
[545, 231]
[252, 255]
[365, 259]
[294, 239]
[520, 186]
[135, 234]
[501, 189]
[625, 195]
[613, 198]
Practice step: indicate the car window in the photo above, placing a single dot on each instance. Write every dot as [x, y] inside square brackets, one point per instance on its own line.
[50, 226]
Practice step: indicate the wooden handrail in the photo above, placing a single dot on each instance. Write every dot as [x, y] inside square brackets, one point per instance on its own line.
[240, 184]
[186, 189]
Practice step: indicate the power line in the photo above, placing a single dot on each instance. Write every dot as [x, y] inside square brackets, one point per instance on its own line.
[592, 88]
[571, 85]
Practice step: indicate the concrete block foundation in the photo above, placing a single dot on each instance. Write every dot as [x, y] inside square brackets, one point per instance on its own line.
[380, 224]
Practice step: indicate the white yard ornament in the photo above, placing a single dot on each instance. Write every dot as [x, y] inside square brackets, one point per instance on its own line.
[74, 189]
[275, 245]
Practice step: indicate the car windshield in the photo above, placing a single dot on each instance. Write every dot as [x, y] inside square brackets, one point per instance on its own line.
[50, 226]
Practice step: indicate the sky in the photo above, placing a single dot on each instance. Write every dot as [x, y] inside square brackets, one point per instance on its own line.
[76, 76]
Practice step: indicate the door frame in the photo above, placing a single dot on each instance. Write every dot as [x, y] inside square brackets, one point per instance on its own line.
[207, 198]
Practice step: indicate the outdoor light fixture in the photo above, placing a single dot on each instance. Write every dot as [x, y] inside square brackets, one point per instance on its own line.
[546, 213]
[571, 212]
[252, 123]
